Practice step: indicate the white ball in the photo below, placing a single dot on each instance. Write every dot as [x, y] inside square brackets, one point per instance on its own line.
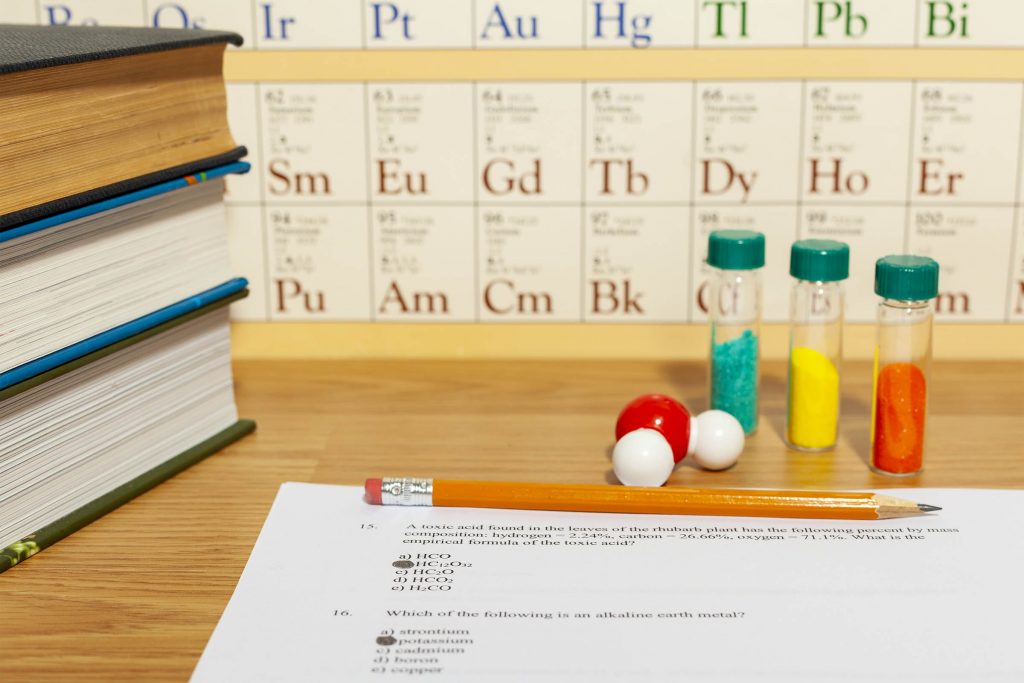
[720, 440]
[643, 458]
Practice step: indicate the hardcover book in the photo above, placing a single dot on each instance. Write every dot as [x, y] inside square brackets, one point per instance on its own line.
[94, 112]
[89, 428]
[72, 275]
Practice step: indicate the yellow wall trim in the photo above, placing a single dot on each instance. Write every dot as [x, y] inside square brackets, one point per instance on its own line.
[592, 64]
[681, 342]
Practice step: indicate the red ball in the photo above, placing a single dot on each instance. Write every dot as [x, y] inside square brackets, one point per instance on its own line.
[659, 412]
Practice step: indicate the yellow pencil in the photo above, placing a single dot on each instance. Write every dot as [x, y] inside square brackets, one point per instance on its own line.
[668, 500]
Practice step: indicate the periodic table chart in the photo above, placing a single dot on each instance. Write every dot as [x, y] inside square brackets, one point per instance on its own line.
[419, 198]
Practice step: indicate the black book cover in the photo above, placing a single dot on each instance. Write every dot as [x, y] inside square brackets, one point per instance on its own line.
[23, 48]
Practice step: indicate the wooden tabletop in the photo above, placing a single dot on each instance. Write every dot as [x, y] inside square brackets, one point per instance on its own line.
[135, 595]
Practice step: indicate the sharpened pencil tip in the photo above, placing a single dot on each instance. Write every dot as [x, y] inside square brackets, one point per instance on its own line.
[927, 508]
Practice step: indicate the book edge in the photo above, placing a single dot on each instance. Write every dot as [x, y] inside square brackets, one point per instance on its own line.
[55, 359]
[20, 551]
[102, 193]
[75, 363]
[57, 220]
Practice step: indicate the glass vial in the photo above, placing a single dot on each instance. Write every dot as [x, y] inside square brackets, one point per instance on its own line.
[815, 343]
[908, 286]
[734, 313]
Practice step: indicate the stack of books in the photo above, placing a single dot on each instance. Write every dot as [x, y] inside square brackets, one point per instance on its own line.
[115, 364]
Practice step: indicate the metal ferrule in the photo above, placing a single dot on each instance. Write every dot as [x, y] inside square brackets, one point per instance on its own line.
[407, 492]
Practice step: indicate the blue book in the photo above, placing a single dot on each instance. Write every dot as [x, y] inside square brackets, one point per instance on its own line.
[121, 333]
[77, 275]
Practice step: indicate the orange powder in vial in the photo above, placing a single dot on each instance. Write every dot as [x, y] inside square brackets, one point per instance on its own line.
[898, 430]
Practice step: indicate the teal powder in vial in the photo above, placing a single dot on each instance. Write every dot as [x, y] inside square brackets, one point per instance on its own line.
[735, 258]
[734, 378]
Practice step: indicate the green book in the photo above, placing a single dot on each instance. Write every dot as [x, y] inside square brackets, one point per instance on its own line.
[69, 524]
[67, 457]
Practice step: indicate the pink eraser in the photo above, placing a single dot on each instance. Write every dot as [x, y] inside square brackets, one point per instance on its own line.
[372, 489]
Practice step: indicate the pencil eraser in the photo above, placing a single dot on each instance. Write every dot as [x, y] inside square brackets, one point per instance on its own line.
[371, 489]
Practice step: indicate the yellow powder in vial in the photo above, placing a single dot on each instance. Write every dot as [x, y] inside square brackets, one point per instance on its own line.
[813, 399]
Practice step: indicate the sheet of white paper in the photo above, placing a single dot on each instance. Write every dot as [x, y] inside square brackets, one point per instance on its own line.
[338, 590]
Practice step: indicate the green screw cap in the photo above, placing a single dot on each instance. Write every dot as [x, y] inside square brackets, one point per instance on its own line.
[736, 249]
[907, 278]
[819, 260]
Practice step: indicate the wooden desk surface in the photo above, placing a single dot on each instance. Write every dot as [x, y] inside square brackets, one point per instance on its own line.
[136, 595]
